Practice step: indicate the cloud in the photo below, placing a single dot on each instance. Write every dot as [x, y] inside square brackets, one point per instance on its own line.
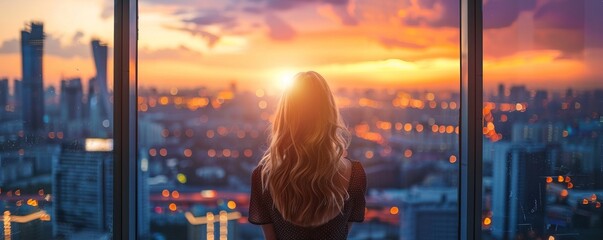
[10, 46]
[340, 13]
[107, 10]
[210, 38]
[53, 46]
[288, 4]
[253, 10]
[210, 18]
[181, 52]
[433, 13]
[502, 13]
[569, 26]
[395, 43]
[278, 29]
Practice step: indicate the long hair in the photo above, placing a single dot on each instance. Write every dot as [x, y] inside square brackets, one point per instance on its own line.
[303, 163]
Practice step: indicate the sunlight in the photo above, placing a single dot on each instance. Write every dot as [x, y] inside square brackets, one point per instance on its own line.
[285, 78]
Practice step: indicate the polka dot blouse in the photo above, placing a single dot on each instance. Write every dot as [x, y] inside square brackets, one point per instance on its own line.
[261, 210]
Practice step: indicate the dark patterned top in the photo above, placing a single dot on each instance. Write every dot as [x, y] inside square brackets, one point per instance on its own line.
[261, 210]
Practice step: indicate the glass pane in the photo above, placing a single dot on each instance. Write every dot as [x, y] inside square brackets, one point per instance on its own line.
[543, 123]
[211, 73]
[56, 164]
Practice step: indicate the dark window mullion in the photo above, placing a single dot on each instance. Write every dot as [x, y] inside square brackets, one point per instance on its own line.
[125, 132]
[470, 143]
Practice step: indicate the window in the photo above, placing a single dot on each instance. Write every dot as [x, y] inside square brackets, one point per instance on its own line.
[210, 76]
[542, 129]
[56, 120]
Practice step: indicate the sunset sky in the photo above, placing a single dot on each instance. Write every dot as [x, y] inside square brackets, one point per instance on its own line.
[411, 44]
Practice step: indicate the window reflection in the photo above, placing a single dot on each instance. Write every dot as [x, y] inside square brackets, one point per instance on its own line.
[542, 120]
[210, 77]
[56, 163]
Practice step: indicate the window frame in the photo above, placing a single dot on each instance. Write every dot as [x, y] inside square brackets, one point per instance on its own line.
[125, 119]
[470, 134]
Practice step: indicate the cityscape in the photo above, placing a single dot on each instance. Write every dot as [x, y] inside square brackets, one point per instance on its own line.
[542, 173]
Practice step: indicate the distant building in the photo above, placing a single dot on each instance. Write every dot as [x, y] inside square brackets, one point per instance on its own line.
[518, 201]
[32, 99]
[429, 214]
[3, 94]
[222, 225]
[143, 201]
[83, 191]
[72, 107]
[99, 106]
[26, 223]
[17, 93]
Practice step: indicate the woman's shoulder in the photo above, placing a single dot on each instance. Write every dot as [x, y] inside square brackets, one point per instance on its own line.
[358, 178]
[356, 166]
[257, 172]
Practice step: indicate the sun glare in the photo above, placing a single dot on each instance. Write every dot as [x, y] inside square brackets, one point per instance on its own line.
[285, 79]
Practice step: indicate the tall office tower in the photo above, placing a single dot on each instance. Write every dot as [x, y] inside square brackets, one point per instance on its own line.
[518, 189]
[32, 99]
[71, 100]
[501, 92]
[99, 106]
[429, 214]
[72, 107]
[17, 94]
[144, 212]
[3, 94]
[519, 93]
[83, 190]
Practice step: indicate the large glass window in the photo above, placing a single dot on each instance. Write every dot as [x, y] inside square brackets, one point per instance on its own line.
[210, 76]
[543, 123]
[56, 164]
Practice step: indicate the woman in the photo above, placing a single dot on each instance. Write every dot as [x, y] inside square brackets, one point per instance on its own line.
[304, 187]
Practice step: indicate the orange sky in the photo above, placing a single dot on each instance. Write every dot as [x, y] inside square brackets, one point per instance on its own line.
[410, 44]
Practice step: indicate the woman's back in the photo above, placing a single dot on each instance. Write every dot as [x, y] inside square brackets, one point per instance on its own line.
[304, 187]
[262, 210]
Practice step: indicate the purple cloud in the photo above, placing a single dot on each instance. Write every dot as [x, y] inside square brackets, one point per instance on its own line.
[502, 13]
[278, 29]
[53, 46]
[211, 38]
[288, 4]
[449, 14]
[181, 52]
[210, 18]
[395, 43]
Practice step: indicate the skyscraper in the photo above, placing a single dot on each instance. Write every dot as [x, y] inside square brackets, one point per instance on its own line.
[3, 94]
[32, 100]
[99, 107]
[518, 194]
[72, 107]
[83, 187]
[71, 100]
[18, 94]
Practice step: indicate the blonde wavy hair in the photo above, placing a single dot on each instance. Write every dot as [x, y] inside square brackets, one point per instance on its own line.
[305, 159]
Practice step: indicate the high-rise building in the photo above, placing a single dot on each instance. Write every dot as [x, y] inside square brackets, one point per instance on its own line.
[99, 107]
[144, 212]
[32, 99]
[83, 190]
[17, 93]
[429, 214]
[518, 201]
[72, 107]
[3, 93]
[71, 100]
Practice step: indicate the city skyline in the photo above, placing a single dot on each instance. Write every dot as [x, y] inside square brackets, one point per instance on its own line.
[185, 41]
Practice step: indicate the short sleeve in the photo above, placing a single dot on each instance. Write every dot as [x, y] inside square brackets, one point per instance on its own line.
[259, 213]
[358, 193]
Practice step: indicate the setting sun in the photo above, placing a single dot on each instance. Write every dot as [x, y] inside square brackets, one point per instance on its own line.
[284, 79]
